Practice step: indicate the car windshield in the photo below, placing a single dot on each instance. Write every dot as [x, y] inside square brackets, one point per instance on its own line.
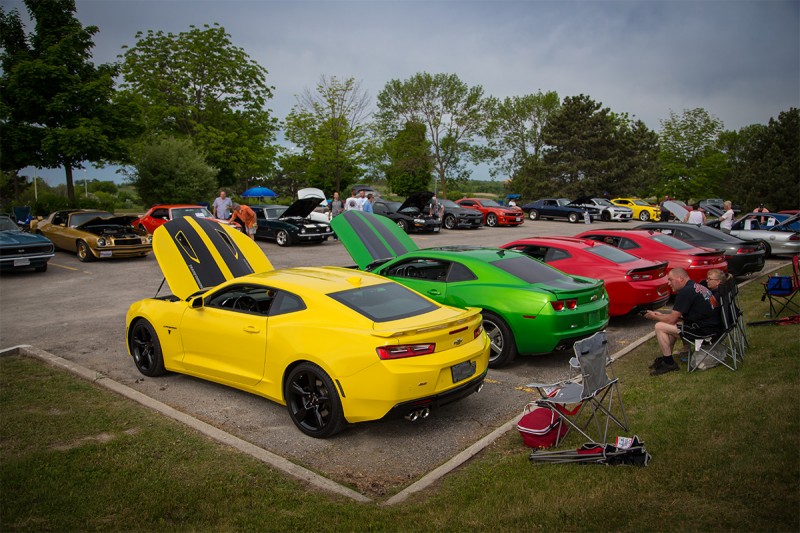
[80, 218]
[490, 203]
[199, 212]
[611, 253]
[640, 202]
[672, 242]
[602, 201]
[6, 224]
[529, 270]
[563, 201]
[384, 302]
[448, 203]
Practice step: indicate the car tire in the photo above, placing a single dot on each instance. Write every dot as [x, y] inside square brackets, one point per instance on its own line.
[644, 216]
[403, 225]
[533, 214]
[146, 349]
[449, 222]
[767, 249]
[313, 401]
[283, 238]
[503, 347]
[84, 253]
[573, 218]
[491, 220]
[605, 216]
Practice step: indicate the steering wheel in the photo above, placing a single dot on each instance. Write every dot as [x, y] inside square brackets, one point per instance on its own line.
[246, 303]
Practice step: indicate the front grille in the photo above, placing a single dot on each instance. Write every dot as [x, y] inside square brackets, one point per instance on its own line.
[23, 250]
[128, 242]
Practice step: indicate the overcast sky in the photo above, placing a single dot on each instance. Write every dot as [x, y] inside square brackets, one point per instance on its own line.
[738, 59]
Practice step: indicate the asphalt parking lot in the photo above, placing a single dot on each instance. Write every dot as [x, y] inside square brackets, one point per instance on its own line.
[77, 311]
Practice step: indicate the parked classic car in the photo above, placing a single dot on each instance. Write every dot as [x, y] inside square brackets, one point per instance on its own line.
[94, 234]
[162, 213]
[641, 209]
[235, 320]
[777, 236]
[550, 208]
[320, 212]
[411, 215]
[20, 250]
[743, 257]
[528, 307]
[600, 208]
[658, 246]
[290, 225]
[455, 216]
[493, 213]
[632, 283]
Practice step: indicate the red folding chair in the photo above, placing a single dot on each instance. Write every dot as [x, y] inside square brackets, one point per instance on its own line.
[782, 290]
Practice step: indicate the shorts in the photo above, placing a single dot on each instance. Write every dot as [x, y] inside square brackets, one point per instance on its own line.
[251, 230]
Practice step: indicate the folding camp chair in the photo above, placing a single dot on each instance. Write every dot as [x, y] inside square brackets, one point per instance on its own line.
[720, 347]
[740, 327]
[782, 290]
[588, 397]
[22, 216]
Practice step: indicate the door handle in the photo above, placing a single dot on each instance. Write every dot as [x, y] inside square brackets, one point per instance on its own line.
[251, 329]
[434, 292]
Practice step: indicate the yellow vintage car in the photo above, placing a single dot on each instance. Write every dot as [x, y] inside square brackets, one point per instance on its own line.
[334, 345]
[94, 234]
[641, 209]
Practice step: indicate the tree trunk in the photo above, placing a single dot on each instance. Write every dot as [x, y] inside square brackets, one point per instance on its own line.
[70, 186]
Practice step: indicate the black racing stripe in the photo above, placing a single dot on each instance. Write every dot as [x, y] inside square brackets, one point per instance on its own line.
[232, 255]
[198, 258]
[367, 233]
[394, 243]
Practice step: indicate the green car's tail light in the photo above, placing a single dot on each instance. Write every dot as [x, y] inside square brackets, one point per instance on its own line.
[405, 350]
[560, 305]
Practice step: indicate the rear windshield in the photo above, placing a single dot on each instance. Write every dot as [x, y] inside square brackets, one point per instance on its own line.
[613, 254]
[670, 241]
[529, 270]
[385, 302]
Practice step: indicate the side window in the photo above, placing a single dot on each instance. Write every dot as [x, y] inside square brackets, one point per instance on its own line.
[286, 302]
[468, 203]
[537, 252]
[252, 299]
[379, 208]
[459, 272]
[260, 214]
[549, 203]
[59, 218]
[428, 269]
[627, 244]
[554, 254]
[160, 213]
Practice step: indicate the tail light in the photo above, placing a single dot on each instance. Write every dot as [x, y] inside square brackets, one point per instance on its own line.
[748, 250]
[640, 276]
[560, 305]
[477, 332]
[794, 237]
[405, 350]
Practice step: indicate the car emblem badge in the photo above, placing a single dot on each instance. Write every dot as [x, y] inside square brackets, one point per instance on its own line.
[458, 341]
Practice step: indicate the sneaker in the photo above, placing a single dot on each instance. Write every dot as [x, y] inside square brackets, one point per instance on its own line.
[656, 362]
[664, 367]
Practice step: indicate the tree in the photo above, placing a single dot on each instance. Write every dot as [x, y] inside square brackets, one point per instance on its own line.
[454, 114]
[692, 163]
[172, 171]
[329, 126]
[515, 132]
[198, 85]
[410, 167]
[57, 108]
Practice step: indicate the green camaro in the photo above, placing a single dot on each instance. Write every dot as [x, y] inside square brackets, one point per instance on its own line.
[528, 306]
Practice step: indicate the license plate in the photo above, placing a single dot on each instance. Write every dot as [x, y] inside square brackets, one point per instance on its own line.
[435, 230]
[22, 262]
[519, 219]
[462, 370]
[106, 253]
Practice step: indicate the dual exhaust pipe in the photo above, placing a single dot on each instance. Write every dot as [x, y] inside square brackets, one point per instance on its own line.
[425, 412]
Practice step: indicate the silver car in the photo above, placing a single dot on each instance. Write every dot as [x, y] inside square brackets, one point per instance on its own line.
[778, 232]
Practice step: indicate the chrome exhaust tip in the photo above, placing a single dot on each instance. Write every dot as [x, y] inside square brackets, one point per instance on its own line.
[413, 416]
[425, 413]
[479, 387]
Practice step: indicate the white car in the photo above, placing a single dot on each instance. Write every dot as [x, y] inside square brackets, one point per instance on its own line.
[600, 208]
[320, 213]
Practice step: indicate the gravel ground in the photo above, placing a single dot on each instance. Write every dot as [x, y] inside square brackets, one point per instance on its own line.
[77, 311]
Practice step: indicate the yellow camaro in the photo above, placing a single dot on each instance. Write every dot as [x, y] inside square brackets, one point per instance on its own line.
[334, 345]
[641, 209]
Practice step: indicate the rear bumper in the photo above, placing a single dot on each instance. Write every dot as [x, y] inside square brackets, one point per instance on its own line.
[739, 265]
[438, 400]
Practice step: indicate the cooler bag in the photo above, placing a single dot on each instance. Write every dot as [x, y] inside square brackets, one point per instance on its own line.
[541, 427]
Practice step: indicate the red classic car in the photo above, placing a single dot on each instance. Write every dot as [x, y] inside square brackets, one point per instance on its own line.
[632, 283]
[494, 214]
[162, 213]
[661, 247]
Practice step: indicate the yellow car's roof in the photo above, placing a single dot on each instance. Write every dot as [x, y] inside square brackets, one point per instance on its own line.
[319, 279]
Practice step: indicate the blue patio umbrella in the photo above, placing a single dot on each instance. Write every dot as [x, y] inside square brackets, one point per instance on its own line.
[258, 192]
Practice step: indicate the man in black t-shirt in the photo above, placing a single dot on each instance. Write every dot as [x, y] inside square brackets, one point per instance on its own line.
[696, 310]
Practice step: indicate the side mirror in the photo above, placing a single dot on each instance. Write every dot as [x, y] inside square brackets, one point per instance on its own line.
[197, 303]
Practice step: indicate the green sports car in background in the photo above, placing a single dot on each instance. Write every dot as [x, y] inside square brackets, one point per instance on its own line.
[528, 306]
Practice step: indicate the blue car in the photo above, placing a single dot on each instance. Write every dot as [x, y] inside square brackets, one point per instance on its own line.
[20, 250]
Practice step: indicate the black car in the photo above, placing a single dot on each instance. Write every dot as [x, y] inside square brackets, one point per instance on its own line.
[744, 257]
[411, 215]
[290, 225]
[550, 208]
[20, 250]
[455, 216]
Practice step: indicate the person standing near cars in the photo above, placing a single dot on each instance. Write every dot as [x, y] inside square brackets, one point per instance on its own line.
[726, 220]
[222, 206]
[336, 207]
[761, 209]
[247, 217]
[367, 208]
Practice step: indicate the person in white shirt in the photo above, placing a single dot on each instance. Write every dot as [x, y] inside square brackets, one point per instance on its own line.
[726, 220]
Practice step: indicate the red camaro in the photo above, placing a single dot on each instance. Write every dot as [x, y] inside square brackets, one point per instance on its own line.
[660, 247]
[632, 283]
[160, 214]
[494, 214]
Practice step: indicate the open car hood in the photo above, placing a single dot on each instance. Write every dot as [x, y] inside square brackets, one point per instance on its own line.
[124, 220]
[196, 253]
[310, 192]
[302, 208]
[369, 238]
[418, 200]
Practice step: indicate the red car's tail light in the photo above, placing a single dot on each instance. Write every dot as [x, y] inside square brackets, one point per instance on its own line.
[639, 276]
[405, 350]
[560, 305]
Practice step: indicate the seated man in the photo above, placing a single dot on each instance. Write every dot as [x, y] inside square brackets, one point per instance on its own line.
[696, 311]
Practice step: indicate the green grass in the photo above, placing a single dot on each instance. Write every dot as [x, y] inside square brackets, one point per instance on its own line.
[724, 445]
